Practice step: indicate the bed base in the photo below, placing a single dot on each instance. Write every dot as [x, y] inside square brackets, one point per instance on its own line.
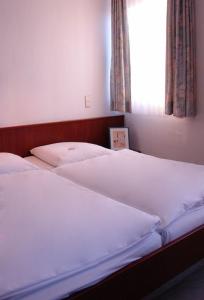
[140, 278]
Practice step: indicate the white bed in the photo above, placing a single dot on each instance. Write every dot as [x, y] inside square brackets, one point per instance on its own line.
[172, 190]
[57, 237]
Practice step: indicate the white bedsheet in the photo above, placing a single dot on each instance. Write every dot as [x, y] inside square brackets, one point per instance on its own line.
[52, 229]
[168, 189]
[39, 163]
[88, 277]
[183, 225]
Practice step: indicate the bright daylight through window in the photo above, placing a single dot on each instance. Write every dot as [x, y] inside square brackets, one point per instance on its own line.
[147, 32]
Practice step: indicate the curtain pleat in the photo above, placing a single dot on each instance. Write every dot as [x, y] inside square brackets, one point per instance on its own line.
[180, 97]
[120, 79]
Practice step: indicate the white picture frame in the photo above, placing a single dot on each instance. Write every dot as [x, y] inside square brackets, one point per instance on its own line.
[119, 138]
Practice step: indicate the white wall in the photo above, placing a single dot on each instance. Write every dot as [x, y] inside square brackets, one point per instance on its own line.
[170, 137]
[52, 54]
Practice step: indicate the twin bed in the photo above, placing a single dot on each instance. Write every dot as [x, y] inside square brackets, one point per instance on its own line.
[58, 237]
[172, 190]
[120, 222]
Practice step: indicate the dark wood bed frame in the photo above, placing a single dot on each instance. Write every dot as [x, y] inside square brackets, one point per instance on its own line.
[140, 277]
[21, 139]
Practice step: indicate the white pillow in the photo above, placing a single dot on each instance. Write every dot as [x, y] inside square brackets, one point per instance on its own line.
[10, 163]
[68, 152]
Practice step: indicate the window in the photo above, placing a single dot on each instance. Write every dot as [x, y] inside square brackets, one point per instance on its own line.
[147, 32]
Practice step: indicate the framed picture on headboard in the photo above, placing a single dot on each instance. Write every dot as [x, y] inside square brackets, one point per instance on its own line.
[119, 138]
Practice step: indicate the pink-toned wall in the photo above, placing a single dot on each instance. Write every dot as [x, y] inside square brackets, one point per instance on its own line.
[169, 137]
[52, 54]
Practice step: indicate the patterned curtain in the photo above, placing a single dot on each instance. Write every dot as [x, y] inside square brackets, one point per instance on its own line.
[120, 81]
[180, 59]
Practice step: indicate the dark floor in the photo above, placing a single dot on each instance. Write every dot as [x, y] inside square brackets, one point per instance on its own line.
[187, 286]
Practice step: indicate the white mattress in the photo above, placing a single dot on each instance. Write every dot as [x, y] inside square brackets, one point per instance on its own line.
[183, 225]
[57, 237]
[179, 227]
[60, 289]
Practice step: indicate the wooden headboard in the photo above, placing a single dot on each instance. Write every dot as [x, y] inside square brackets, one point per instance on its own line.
[20, 139]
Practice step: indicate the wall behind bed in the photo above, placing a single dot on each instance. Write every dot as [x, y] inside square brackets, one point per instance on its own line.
[53, 53]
